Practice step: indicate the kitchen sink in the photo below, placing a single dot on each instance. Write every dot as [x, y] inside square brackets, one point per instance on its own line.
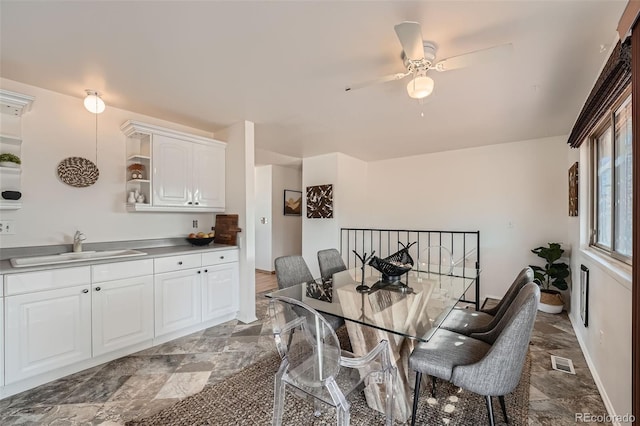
[54, 259]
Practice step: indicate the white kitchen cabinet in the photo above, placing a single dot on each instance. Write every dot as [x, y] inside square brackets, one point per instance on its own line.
[219, 290]
[46, 330]
[208, 176]
[177, 300]
[122, 305]
[187, 171]
[1, 332]
[172, 172]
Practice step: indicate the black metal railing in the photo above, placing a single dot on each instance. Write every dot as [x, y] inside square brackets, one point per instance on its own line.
[464, 247]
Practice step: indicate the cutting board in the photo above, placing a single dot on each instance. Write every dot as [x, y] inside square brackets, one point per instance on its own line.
[226, 228]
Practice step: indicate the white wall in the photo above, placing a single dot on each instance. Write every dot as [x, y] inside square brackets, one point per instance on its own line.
[240, 199]
[263, 210]
[515, 194]
[606, 342]
[58, 126]
[286, 230]
[348, 176]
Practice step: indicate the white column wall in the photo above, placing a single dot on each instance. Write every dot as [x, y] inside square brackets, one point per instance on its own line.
[319, 233]
[240, 199]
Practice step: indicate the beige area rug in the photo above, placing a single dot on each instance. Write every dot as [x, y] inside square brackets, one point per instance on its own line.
[246, 398]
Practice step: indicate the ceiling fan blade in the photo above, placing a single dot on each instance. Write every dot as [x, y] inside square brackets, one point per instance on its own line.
[410, 36]
[391, 77]
[472, 58]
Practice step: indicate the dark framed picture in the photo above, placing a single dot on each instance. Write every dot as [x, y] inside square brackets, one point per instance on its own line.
[320, 201]
[292, 202]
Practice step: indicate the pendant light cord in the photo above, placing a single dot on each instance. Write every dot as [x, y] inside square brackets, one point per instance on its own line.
[96, 132]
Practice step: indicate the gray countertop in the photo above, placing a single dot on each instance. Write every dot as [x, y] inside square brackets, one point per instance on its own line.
[151, 252]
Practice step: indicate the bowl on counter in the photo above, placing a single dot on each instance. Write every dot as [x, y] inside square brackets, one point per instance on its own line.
[200, 241]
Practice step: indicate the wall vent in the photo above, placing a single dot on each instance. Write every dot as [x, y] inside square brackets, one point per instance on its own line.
[562, 364]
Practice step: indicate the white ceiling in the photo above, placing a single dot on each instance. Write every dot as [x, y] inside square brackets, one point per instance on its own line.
[284, 66]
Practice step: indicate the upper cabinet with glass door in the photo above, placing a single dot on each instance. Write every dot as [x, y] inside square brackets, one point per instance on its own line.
[173, 171]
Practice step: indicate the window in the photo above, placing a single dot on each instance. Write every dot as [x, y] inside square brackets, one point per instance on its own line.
[612, 185]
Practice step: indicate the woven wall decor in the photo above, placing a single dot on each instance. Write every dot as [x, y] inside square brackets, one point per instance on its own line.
[320, 202]
[78, 172]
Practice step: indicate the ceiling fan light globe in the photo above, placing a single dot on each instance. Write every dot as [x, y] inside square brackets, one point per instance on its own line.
[420, 87]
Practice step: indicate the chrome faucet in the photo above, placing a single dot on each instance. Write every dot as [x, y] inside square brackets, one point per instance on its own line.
[78, 238]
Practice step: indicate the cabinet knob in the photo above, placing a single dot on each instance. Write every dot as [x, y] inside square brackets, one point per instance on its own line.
[85, 291]
[199, 271]
[206, 270]
[221, 257]
[180, 263]
[189, 203]
[97, 288]
[197, 203]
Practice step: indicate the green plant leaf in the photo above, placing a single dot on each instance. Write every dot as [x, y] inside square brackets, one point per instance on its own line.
[10, 158]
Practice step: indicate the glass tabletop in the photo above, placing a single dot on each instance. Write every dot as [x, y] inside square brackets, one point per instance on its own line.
[413, 307]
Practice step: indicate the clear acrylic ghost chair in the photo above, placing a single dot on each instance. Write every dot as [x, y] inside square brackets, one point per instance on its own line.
[314, 365]
[436, 259]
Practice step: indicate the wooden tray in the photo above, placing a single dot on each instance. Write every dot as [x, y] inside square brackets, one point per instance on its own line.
[226, 229]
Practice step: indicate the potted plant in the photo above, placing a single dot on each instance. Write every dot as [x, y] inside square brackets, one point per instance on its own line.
[9, 160]
[554, 273]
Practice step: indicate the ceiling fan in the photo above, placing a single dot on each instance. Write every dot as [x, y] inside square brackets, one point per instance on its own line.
[420, 56]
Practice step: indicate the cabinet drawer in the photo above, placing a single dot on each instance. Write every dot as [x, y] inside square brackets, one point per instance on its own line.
[46, 280]
[221, 256]
[177, 263]
[121, 270]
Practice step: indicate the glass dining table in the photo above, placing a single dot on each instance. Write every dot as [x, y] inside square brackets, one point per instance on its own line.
[404, 313]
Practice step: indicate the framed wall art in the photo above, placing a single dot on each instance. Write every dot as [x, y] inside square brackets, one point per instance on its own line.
[292, 202]
[320, 201]
[573, 190]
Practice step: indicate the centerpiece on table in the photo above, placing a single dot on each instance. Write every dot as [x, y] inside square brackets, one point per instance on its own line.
[394, 266]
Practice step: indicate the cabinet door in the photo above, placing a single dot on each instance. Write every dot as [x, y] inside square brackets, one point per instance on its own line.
[177, 300]
[219, 290]
[46, 330]
[171, 171]
[208, 175]
[122, 313]
[1, 338]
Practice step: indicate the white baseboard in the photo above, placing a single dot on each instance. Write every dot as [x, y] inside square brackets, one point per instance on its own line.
[594, 373]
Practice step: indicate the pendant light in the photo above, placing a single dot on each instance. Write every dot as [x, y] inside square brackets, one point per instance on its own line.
[78, 171]
[93, 103]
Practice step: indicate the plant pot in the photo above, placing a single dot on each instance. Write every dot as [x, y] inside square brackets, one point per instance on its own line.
[550, 302]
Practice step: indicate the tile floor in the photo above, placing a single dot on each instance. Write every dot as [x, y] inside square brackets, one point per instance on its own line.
[145, 382]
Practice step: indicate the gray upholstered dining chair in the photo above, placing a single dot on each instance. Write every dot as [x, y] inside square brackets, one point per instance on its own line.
[466, 321]
[292, 270]
[330, 262]
[312, 362]
[488, 363]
